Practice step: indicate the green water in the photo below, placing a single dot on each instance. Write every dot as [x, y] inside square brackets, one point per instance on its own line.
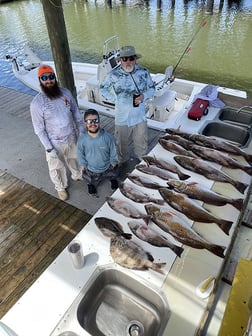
[220, 54]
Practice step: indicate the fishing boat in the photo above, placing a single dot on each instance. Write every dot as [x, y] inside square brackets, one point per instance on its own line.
[167, 108]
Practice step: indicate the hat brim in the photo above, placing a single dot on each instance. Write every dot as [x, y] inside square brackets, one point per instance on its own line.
[137, 56]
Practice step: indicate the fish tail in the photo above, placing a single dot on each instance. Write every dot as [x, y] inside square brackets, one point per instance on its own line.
[159, 201]
[178, 250]
[157, 267]
[237, 203]
[225, 225]
[241, 187]
[248, 158]
[183, 176]
[147, 218]
[217, 250]
[248, 170]
[127, 236]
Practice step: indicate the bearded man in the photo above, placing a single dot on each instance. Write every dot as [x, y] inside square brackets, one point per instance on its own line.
[129, 86]
[57, 122]
[96, 151]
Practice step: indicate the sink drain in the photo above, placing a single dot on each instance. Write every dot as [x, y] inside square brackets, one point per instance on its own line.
[135, 328]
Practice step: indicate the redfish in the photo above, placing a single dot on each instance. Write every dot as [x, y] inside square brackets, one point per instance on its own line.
[136, 195]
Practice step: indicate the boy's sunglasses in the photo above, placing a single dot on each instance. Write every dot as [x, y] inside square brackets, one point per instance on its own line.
[130, 58]
[92, 121]
[45, 78]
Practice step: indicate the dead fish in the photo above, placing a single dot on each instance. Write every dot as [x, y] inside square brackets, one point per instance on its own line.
[165, 165]
[145, 233]
[130, 255]
[176, 131]
[127, 209]
[220, 158]
[200, 192]
[181, 231]
[206, 169]
[175, 148]
[192, 209]
[154, 170]
[144, 181]
[221, 145]
[136, 195]
[111, 228]
[179, 140]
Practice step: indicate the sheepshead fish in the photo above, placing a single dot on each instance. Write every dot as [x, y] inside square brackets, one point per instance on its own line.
[200, 192]
[145, 233]
[111, 228]
[136, 195]
[154, 170]
[204, 168]
[221, 145]
[165, 165]
[144, 181]
[127, 209]
[175, 148]
[181, 231]
[192, 209]
[220, 158]
[130, 255]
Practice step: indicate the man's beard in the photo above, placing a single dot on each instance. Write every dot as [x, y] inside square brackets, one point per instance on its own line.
[51, 92]
[94, 131]
[128, 68]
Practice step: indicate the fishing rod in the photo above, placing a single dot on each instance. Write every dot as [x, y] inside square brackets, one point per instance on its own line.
[187, 49]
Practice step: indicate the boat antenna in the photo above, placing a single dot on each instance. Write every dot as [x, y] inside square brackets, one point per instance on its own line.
[188, 47]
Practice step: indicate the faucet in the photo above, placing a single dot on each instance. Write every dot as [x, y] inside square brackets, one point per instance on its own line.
[243, 107]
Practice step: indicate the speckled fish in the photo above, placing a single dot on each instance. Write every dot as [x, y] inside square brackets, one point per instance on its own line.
[175, 148]
[127, 209]
[136, 195]
[181, 231]
[165, 165]
[217, 156]
[111, 228]
[144, 181]
[192, 209]
[206, 169]
[215, 143]
[145, 233]
[200, 192]
[130, 255]
[176, 131]
[179, 140]
[154, 170]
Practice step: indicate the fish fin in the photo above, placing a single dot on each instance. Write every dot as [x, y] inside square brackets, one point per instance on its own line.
[183, 176]
[157, 267]
[241, 187]
[248, 170]
[217, 250]
[147, 218]
[178, 250]
[127, 236]
[149, 256]
[237, 203]
[248, 158]
[225, 226]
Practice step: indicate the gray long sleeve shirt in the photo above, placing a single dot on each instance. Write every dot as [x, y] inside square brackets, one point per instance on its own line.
[56, 121]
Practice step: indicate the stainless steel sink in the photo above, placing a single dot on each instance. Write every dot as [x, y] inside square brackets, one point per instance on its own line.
[116, 303]
[232, 116]
[235, 134]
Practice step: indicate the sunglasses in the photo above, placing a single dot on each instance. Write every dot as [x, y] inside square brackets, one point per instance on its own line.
[92, 121]
[130, 58]
[45, 78]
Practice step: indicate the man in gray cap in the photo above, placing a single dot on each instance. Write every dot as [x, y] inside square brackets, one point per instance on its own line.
[129, 86]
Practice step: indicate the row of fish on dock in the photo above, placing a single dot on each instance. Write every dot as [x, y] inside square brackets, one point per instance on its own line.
[193, 153]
